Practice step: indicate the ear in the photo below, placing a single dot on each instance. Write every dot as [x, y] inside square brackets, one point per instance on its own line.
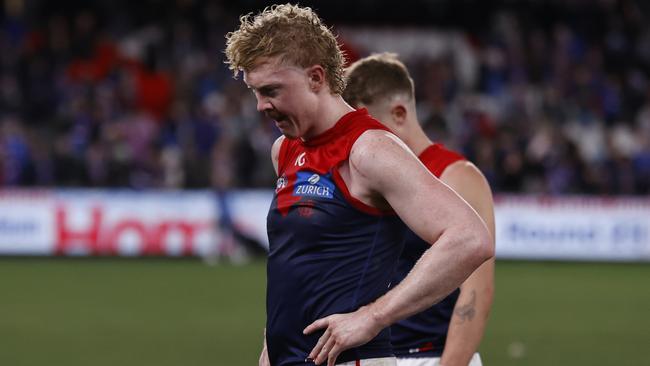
[399, 114]
[316, 77]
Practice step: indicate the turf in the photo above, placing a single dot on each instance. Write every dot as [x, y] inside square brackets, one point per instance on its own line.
[183, 312]
[570, 314]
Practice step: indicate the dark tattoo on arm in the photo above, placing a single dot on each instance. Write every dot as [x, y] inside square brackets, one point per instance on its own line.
[467, 311]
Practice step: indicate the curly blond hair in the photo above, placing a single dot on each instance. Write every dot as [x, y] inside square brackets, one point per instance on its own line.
[295, 34]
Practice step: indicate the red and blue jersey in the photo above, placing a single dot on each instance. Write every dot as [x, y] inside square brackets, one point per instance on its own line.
[328, 252]
[424, 334]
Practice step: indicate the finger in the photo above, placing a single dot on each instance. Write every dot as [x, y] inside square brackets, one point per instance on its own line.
[318, 324]
[333, 355]
[319, 345]
[324, 353]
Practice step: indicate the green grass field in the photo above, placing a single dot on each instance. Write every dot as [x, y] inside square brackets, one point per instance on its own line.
[181, 312]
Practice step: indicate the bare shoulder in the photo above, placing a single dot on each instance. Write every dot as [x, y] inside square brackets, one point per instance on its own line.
[378, 152]
[464, 175]
[382, 166]
[468, 181]
[275, 152]
[373, 139]
[372, 173]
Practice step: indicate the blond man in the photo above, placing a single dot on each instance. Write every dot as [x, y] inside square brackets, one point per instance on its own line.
[344, 183]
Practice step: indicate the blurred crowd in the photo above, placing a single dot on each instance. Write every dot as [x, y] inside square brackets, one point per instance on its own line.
[555, 103]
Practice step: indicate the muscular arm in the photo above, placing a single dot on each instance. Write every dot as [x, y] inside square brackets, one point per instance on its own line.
[473, 305]
[382, 168]
[460, 240]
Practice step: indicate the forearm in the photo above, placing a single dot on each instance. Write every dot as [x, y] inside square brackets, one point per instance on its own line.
[441, 269]
[470, 316]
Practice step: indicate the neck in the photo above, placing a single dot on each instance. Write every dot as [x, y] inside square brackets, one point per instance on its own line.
[331, 108]
[416, 139]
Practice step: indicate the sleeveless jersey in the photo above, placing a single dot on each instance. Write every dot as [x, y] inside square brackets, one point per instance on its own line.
[424, 334]
[328, 252]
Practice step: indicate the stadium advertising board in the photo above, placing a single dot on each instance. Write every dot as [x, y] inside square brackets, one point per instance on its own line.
[125, 223]
[573, 228]
[129, 223]
[249, 209]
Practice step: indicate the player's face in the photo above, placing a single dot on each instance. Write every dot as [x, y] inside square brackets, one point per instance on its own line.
[283, 95]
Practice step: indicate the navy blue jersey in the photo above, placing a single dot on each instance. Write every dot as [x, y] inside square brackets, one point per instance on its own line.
[424, 334]
[328, 252]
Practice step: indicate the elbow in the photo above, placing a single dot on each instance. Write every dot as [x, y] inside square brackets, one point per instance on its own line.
[483, 244]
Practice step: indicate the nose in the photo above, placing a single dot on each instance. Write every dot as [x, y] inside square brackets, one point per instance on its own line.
[263, 104]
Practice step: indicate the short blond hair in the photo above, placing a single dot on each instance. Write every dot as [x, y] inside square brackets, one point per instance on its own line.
[375, 77]
[295, 34]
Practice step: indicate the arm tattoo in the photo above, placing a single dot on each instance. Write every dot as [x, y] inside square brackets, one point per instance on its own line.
[467, 311]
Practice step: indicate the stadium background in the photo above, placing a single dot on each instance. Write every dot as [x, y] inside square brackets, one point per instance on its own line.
[548, 98]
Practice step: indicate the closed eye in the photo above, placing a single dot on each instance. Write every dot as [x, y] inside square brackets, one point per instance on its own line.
[269, 91]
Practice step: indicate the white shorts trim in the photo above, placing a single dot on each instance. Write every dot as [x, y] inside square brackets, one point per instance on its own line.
[434, 361]
[384, 361]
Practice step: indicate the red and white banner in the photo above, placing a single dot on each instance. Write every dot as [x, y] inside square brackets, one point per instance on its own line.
[87, 222]
[136, 223]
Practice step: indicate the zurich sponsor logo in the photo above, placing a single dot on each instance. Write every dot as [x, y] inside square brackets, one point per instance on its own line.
[313, 185]
[314, 179]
